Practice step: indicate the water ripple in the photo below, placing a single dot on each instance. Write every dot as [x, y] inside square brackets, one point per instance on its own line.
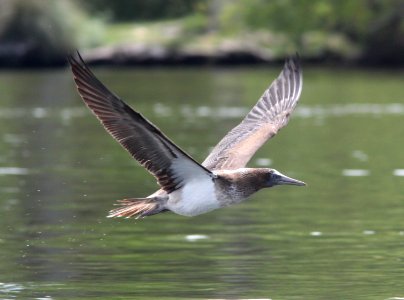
[355, 172]
[196, 237]
[350, 109]
[224, 112]
[10, 287]
[398, 172]
[13, 171]
[303, 111]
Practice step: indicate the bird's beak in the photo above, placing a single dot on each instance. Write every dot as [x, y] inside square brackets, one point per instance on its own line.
[279, 178]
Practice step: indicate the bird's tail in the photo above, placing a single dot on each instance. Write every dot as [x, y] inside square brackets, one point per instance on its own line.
[137, 207]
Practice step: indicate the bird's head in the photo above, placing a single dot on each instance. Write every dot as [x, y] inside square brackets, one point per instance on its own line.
[277, 178]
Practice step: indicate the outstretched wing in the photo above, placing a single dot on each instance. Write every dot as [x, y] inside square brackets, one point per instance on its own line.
[270, 114]
[145, 142]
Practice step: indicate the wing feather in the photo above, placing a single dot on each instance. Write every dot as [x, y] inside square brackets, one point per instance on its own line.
[267, 117]
[144, 141]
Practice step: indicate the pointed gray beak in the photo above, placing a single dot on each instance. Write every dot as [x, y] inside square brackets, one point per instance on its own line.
[279, 178]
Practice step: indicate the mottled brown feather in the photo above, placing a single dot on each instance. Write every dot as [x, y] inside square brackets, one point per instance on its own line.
[144, 141]
[267, 117]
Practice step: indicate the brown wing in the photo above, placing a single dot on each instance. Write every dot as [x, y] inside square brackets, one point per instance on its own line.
[270, 114]
[145, 142]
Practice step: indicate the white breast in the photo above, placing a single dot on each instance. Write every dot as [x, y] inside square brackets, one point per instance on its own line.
[195, 198]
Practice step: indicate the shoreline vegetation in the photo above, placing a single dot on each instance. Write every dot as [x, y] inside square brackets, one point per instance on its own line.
[171, 43]
[40, 33]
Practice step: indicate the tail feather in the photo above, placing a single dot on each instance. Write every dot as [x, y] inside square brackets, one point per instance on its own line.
[136, 207]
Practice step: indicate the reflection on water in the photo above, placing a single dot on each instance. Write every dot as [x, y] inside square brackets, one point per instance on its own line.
[351, 109]
[13, 171]
[398, 172]
[195, 237]
[355, 172]
[341, 237]
[10, 287]
[187, 111]
[302, 110]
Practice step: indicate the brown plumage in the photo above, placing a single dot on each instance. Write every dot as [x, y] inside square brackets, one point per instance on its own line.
[145, 142]
[187, 187]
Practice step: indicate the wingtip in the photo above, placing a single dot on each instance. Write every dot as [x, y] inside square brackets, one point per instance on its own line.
[75, 58]
[80, 57]
[71, 55]
[293, 62]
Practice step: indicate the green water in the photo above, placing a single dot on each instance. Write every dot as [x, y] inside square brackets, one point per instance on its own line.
[341, 237]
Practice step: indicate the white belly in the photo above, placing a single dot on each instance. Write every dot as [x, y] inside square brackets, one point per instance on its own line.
[195, 198]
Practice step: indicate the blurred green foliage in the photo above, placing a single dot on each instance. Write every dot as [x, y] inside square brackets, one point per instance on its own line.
[369, 30]
[144, 10]
[376, 27]
[41, 32]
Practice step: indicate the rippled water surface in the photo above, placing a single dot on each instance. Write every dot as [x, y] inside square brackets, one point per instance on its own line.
[341, 237]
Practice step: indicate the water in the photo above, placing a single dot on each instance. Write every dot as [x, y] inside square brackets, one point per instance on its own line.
[341, 237]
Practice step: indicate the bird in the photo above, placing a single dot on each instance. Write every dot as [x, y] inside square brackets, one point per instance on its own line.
[189, 188]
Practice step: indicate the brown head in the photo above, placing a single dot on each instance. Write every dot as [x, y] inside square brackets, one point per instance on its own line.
[250, 180]
[234, 186]
[273, 177]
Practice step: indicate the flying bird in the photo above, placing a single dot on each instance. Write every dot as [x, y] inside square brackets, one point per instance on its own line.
[187, 187]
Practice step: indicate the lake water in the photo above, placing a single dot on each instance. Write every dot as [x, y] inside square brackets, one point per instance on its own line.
[341, 237]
